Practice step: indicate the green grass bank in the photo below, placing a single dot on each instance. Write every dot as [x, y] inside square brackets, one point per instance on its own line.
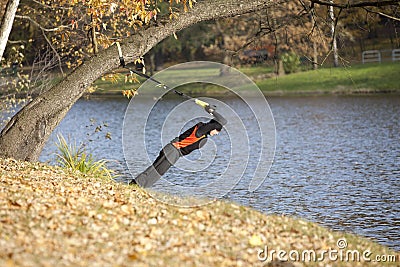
[357, 79]
[52, 217]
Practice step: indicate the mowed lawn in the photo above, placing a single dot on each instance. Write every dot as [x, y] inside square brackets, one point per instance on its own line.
[362, 78]
[382, 77]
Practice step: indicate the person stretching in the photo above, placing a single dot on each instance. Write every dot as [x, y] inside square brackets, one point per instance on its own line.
[190, 140]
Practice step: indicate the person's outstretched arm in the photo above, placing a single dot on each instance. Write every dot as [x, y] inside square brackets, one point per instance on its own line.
[207, 127]
[218, 117]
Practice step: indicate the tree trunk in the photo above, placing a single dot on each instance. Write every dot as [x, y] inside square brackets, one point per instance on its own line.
[225, 69]
[280, 70]
[94, 38]
[314, 43]
[315, 56]
[333, 32]
[27, 132]
[6, 24]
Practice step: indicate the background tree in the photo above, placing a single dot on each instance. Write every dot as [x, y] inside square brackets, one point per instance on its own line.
[187, 45]
[6, 23]
[299, 27]
[354, 19]
[280, 28]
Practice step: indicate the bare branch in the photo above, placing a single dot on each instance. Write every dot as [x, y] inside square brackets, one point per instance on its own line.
[16, 41]
[55, 52]
[359, 4]
[40, 26]
[41, 72]
[44, 30]
[382, 14]
[50, 7]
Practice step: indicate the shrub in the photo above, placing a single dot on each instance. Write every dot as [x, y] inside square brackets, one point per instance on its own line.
[291, 62]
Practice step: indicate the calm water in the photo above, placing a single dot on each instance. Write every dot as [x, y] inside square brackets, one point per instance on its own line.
[337, 159]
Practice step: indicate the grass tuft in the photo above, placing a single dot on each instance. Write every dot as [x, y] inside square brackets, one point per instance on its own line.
[72, 157]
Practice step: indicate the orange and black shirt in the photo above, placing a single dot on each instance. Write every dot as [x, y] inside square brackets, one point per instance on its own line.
[192, 139]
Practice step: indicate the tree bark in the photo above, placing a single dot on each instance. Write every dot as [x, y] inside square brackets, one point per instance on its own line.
[27, 132]
[6, 24]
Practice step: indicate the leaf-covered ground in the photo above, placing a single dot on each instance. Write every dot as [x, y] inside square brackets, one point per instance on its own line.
[51, 217]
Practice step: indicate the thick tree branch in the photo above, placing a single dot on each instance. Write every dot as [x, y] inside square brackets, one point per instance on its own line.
[203, 11]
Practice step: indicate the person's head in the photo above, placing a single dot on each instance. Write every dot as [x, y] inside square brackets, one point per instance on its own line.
[214, 132]
[215, 127]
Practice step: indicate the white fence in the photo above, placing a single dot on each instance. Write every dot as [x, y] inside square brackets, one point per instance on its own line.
[396, 55]
[371, 56]
[376, 55]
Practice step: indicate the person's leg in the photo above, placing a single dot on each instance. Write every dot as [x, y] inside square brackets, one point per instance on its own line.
[167, 157]
[147, 178]
[170, 157]
[150, 175]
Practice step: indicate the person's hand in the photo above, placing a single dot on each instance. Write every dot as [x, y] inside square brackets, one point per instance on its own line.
[209, 109]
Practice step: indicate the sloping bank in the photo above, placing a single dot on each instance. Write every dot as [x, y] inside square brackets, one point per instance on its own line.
[50, 217]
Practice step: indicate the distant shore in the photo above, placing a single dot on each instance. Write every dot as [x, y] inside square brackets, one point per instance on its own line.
[276, 93]
[361, 79]
[353, 80]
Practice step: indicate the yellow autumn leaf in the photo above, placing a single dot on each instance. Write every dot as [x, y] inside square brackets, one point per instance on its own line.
[255, 241]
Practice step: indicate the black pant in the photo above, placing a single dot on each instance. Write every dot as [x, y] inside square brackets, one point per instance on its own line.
[168, 156]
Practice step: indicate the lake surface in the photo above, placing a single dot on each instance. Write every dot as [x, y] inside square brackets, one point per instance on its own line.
[337, 158]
